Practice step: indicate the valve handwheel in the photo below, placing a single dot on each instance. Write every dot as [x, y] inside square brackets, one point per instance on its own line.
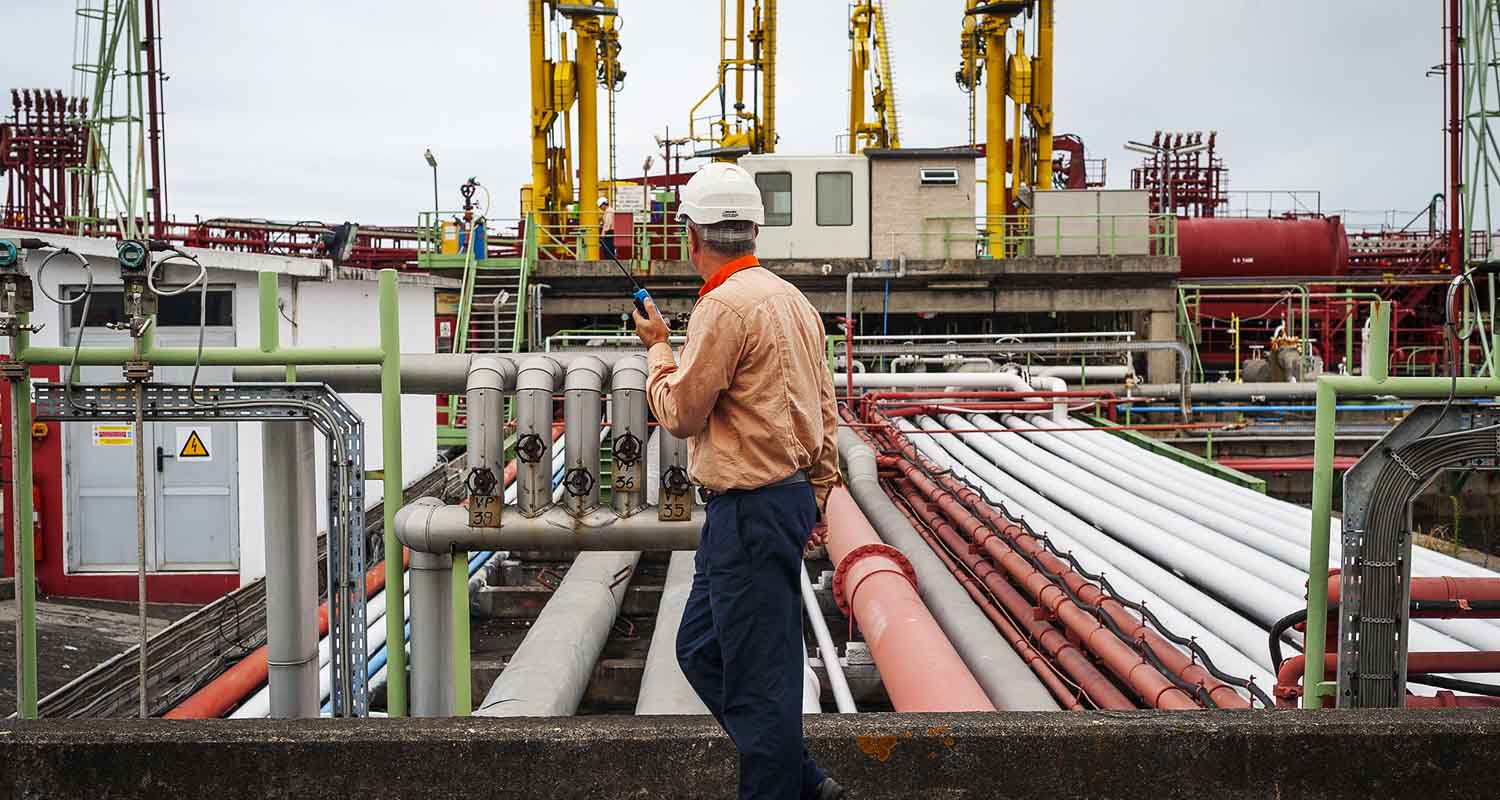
[482, 482]
[529, 448]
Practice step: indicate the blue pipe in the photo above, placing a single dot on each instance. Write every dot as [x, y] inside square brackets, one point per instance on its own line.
[378, 660]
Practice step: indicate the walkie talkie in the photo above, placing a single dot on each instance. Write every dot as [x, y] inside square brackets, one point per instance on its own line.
[641, 295]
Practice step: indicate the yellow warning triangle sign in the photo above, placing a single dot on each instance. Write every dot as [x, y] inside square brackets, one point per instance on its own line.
[193, 447]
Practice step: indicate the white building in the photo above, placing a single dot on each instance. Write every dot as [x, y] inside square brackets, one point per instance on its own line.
[204, 517]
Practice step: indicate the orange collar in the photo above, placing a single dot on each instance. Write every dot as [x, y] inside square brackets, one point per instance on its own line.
[741, 263]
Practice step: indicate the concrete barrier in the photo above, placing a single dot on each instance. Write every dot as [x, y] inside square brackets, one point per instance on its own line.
[1147, 755]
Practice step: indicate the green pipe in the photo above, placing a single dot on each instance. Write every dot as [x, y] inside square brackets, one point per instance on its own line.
[390, 431]
[463, 701]
[1377, 381]
[25, 557]
[1351, 315]
[212, 356]
[270, 331]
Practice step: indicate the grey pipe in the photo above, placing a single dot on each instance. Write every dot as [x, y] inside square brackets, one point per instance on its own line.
[664, 689]
[535, 383]
[849, 287]
[291, 528]
[485, 411]
[548, 674]
[436, 528]
[421, 373]
[583, 415]
[432, 634]
[631, 437]
[1005, 678]
[673, 485]
[1231, 391]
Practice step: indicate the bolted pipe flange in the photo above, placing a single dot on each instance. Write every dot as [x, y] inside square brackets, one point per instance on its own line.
[843, 594]
[628, 450]
[675, 480]
[579, 482]
[482, 482]
[530, 448]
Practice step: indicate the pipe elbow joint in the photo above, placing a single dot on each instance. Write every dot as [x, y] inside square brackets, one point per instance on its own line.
[539, 372]
[414, 528]
[587, 374]
[490, 372]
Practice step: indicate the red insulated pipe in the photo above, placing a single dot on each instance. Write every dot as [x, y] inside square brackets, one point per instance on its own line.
[1046, 671]
[1059, 648]
[1442, 590]
[1289, 675]
[918, 665]
[1171, 657]
[1451, 700]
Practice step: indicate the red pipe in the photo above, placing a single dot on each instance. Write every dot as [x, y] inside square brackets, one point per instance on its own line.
[1185, 667]
[1059, 648]
[1283, 464]
[1289, 675]
[1442, 590]
[1046, 671]
[920, 668]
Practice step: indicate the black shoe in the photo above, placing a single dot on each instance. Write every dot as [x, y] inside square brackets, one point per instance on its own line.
[830, 789]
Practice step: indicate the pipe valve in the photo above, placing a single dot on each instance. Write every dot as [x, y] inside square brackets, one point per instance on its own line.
[484, 505]
[530, 448]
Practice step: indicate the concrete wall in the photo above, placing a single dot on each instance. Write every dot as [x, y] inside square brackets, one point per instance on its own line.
[339, 313]
[900, 207]
[1225, 755]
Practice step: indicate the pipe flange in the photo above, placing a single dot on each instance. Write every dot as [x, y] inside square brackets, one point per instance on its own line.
[579, 482]
[627, 450]
[530, 448]
[482, 482]
[844, 594]
[675, 480]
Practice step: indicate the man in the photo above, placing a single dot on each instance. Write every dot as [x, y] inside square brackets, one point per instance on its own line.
[606, 228]
[755, 399]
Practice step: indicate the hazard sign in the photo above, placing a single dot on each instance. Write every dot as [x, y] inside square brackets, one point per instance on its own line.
[114, 435]
[195, 444]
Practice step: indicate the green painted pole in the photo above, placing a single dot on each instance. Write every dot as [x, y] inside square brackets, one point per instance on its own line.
[25, 557]
[1317, 562]
[390, 431]
[270, 330]
[463, 690]
[212, 356]
[1351, 316]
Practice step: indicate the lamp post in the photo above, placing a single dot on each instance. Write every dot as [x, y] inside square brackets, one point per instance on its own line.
[436, 225]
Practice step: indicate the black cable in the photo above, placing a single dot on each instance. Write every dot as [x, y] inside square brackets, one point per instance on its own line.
[1454, 684]
[1285, 624]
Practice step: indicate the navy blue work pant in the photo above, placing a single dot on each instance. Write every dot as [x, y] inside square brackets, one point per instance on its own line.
[740, 644]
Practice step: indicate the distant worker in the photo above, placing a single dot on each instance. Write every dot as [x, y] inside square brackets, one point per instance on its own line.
[755, 399]
[606, 228]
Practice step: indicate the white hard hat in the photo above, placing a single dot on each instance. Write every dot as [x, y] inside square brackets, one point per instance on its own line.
[603, 201]
[721, 192]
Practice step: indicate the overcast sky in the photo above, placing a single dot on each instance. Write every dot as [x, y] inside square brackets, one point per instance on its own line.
[295, 109]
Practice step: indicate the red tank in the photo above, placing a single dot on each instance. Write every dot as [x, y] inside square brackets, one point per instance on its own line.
[1227, 247]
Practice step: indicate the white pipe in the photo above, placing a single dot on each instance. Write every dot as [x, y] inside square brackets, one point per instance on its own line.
[1236, 645]
[664, 689]
[291, 568]
[1002, 381]
[811, 690]
[548, 674]
[1102, 373]
[1263, 590]
[1049, 383]
[837, 682]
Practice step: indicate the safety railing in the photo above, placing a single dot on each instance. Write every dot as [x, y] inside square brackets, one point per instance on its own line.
[1272, 203]
[1037, 235]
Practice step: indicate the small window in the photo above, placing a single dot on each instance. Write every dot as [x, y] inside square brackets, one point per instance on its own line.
[776, 195]
[108, 306]
[946, 176]
[835, 198]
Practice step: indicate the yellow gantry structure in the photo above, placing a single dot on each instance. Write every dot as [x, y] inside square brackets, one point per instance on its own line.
[870, 64]
[749, 125]
[1013, 167]
[556, 85]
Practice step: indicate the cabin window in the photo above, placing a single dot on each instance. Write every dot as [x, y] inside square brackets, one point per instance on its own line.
[835, 198]
[946, 176]
[776, 196]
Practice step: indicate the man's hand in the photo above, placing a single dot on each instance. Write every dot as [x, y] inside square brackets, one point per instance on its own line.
[818, 538]
[651, 328]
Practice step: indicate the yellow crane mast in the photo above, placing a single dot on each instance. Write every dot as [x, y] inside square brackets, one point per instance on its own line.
[1027, 80]
[870, 59]
[556, 85]
[749, 125]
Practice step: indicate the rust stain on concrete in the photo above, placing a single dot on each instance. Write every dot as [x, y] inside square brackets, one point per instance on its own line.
[877, 747]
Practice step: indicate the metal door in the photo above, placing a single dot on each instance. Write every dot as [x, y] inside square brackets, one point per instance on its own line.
[192, 503]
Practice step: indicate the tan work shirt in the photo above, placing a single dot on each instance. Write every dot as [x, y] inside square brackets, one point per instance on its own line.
[753, 395]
